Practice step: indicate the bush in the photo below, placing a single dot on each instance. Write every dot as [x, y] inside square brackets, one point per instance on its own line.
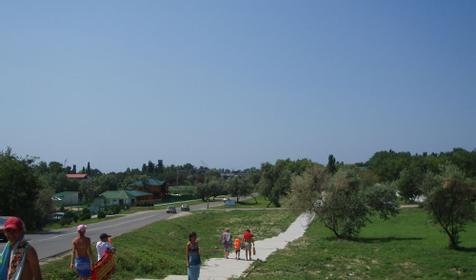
[65, 221]
[85, 214]
[451, 201]
[101, 214]
[116, 209]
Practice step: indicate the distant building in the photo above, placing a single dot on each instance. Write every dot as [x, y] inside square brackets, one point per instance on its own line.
[78, 176]
[111, 198]
[66, 198]
[141, 198]
[158, 188]
[122, 198]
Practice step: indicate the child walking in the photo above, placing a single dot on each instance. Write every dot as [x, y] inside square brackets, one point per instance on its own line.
[237, 245]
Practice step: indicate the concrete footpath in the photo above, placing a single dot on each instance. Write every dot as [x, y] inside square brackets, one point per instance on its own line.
[220, 268]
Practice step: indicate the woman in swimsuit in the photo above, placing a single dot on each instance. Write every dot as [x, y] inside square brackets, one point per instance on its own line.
[192, 252]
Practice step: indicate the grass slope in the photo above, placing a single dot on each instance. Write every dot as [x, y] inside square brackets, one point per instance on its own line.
[406, 247]
[157, 250]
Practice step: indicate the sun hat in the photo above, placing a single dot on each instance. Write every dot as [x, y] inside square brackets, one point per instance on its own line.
[81, 228]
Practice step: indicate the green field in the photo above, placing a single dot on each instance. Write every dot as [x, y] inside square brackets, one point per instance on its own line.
[157, 250]
[406, 247]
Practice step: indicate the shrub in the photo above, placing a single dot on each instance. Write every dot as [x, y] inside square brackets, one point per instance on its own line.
[85, 214]
[451, 201]
[116, 209]
[65, 221]
[101, 214]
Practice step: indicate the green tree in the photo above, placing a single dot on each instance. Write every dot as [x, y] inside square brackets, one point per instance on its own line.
[212, 188]
[388, 164]
[451, 201]
[239, 186]
[306, 189]
[331, 164]
[342, 203]
[409, 183]
[275, 180]
[19, 188]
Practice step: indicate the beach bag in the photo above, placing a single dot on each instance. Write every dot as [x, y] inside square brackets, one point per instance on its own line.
[104, 268]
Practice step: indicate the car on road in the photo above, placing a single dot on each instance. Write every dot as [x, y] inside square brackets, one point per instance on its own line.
[171, 210]
[185, 207]
[3, 219]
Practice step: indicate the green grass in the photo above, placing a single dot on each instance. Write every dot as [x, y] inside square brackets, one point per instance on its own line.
[406, 247]
[157, 250]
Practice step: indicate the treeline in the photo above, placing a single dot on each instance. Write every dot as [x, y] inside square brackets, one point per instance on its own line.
[407, 171]
[27, 185]
[52, 176]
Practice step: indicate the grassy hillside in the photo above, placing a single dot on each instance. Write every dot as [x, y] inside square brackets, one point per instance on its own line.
[157, 250]
[406, 247]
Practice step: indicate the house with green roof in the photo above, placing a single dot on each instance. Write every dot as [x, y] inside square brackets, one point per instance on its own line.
[140, 198]
[122, 198]
[157, 188]
[111, 198]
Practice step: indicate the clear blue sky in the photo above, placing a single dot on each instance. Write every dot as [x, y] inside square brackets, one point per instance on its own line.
[235, 83]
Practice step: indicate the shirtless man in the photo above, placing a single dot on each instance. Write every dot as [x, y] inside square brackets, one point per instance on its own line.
[19, 259]
[81, 259]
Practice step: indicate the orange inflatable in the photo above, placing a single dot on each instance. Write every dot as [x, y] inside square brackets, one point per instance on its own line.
[104, 268]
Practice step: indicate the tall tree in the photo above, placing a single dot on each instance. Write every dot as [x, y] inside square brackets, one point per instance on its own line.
[19, 188]
[239, 186]
[331, 164]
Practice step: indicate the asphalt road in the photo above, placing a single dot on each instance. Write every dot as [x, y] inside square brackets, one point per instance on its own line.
[57, 242]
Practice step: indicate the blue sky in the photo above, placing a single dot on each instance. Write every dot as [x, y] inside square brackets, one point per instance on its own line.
[235, 83]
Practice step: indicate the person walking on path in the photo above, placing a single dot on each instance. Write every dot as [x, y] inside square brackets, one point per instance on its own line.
[192, 253]
[82, 256]
[226, 240]
[237, 246]
[18, 260]
[248, 238]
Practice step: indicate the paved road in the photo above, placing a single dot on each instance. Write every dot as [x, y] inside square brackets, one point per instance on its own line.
[57, 242]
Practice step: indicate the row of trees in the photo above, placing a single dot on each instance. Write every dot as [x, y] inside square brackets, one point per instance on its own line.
[27, 186]
[345, 201]
[408, 171]
[236, 186]
[357, 191]
[52, 176]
